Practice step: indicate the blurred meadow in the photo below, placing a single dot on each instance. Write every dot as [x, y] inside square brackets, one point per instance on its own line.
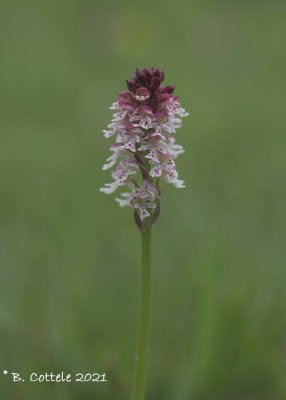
[70, 257]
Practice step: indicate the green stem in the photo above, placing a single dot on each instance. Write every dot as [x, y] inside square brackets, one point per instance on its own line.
[144, 319]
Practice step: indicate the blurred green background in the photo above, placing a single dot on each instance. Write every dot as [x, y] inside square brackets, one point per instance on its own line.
[70, 257]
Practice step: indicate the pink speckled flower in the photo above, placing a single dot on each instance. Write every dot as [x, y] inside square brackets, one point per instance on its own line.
[145, 120]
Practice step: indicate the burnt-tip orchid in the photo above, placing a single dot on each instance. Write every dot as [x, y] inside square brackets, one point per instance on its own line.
[144, 152]
[144, 123]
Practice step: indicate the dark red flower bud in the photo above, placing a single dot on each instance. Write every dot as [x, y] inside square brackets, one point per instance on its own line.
[163, 97]
[168, 89]
[141, 76]
[147, 73]
[157, 73]
[155, 83]
[162, 75]
[131, 86]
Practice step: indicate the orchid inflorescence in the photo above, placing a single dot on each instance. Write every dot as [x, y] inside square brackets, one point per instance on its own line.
[147, 117]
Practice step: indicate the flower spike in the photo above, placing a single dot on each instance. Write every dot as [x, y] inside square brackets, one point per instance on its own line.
[145, 121]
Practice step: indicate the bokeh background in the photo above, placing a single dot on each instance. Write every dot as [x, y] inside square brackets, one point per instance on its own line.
[70, 257]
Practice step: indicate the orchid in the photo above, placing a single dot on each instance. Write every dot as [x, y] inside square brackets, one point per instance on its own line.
[144, 123]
